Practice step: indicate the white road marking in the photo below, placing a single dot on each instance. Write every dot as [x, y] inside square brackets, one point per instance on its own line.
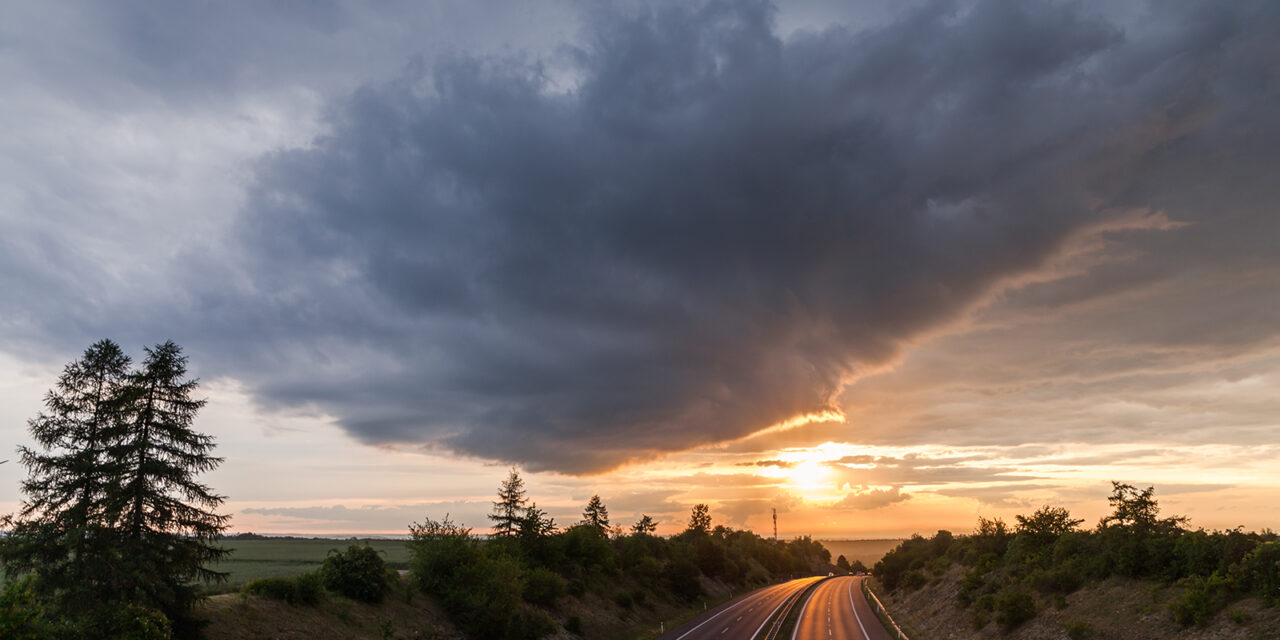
[855, 612]
[796, 630]
[724, 611]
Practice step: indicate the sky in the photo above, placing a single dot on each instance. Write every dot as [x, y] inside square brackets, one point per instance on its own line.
[884, 267]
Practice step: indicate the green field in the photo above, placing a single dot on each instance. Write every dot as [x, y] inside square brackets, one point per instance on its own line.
[868, 551]
[253, 558]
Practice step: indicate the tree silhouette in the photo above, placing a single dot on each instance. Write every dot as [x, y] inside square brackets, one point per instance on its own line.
[165, 515]
[700, 518]
[114, 519]
[843, 563]
[64, 523]
[645, 525]
[596, 514]
[509, 507]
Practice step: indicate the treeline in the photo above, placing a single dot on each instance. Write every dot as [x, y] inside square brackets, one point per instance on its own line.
[1047, 553]
[510, 585]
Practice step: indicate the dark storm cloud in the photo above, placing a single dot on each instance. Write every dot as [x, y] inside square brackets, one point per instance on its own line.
[688, 228]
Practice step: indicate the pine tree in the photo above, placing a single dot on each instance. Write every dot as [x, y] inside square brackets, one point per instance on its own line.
[508, 510]
[644, 525]
[64, 523]
[166, 516]
[596, 514]
[114, 522]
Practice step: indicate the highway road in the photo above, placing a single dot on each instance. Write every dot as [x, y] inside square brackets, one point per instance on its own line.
[837, 610]
[739, 619]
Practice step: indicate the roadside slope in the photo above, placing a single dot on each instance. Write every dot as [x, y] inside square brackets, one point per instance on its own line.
[1112, 609]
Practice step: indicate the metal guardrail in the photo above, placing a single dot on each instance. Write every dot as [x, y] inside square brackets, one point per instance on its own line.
[779, 622]
[774, 629]
[875, 604]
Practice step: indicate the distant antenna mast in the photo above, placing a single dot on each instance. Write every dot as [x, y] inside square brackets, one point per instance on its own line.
[775, 524]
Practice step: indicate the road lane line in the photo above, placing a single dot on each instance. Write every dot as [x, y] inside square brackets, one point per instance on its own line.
[771, 614]
[726, 610]
[855, 612]
[800, 619]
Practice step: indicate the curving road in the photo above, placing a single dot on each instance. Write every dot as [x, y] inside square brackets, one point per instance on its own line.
[739, 619]
[837, 610]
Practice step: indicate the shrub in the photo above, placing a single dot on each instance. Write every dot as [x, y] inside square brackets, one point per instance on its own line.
[125, 622]
[1062, 580]
[304, 589]
[358, 573]
[573, 625]
[543, 586]
[1014, 608]
[1077, 630]
[1261, 571]
[1201, 599]
[308, 588]
[682, 579]
[21, 614]
[623, 599]
[913, 580]
[529, 624]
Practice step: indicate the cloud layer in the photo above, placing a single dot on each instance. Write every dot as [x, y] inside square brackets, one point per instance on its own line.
[681, 227]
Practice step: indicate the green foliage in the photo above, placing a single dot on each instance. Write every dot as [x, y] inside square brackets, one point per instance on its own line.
[358, 573]
[1260, 571]
[842, 564]
[530, 624]
[543, 587]
[22, 616]
[1049, 554]
[623, 599]
[681, 576]
[306, 589]
[1014, 607]
[115, 526]
[1077, 630]
[913, 580]
[1202, 598]
[573, 625]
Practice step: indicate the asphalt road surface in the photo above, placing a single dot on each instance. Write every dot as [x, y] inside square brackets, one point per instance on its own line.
[739, 619]
[837, 610]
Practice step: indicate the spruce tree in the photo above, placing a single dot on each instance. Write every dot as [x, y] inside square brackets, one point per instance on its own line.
[596, 514]
[64, 524]
[165, 515]
[508, 510]
[114, 521]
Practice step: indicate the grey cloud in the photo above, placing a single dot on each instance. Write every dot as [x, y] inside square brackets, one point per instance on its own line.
[708, 228]
[712, 232]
